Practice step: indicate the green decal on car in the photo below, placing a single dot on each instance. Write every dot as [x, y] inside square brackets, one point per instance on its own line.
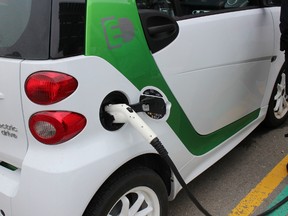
[114, 33]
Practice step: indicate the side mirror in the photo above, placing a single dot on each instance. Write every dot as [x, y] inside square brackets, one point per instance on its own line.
[270, 3]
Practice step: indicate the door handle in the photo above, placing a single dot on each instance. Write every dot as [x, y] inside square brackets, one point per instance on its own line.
[160, 29]
[157, 30]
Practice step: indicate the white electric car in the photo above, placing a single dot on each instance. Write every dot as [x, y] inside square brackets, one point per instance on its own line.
[201, 74]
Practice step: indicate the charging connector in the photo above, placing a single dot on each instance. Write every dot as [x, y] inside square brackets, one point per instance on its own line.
[123, 113]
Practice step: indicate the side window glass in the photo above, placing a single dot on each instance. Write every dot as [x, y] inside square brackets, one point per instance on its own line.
[179, 8]
[236, 3]
[14, 17]
[192, 7]
[164, 6]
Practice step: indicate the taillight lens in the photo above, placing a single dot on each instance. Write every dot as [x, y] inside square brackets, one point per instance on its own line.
[48, 87]
[55, 127]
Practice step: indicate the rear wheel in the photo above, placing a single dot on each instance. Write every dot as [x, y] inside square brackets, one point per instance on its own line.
[138, 191]
[278, 106]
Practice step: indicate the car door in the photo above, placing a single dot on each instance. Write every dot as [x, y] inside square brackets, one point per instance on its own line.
[218, 65]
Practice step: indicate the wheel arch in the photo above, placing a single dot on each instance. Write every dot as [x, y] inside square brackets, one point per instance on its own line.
[151, 161]
[156, 163]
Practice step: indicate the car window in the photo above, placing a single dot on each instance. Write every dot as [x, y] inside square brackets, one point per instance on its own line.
[189, 7]
[14, 16]
[165, 6]
[25, 28]
[180, 8]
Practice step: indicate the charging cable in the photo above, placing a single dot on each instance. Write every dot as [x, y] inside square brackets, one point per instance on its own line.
[123, 113]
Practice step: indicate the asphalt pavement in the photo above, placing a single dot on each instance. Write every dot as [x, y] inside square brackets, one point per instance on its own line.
[226, 183]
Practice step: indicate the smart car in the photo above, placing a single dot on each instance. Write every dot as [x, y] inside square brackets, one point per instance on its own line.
[205, 74]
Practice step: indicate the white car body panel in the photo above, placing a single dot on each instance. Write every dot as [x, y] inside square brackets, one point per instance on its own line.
[230, 53]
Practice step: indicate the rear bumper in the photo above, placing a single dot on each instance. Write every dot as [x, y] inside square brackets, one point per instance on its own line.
[32, 191]
[9, 184]
[55, 183]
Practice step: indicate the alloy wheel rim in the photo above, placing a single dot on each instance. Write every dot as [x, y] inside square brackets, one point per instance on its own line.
[140, 201]
[281, 106]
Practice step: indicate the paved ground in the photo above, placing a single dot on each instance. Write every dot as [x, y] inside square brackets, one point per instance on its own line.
[227, 182]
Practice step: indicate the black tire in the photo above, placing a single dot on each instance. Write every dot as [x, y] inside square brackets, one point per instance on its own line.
[141, 179]
[275, 118]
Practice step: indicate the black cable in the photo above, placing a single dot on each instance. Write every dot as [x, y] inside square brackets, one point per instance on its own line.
[156, 143]
[274, 207]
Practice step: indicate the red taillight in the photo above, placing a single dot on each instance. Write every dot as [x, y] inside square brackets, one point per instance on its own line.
[48, 87]
[55, 127]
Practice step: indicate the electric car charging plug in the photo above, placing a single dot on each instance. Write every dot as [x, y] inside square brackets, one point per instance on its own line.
[122, 113]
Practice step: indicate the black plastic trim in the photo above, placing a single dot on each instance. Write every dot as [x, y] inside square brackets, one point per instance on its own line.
[159, 28]
[67, 28]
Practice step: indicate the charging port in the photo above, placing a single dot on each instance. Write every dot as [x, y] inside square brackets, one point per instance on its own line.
[114, 97]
